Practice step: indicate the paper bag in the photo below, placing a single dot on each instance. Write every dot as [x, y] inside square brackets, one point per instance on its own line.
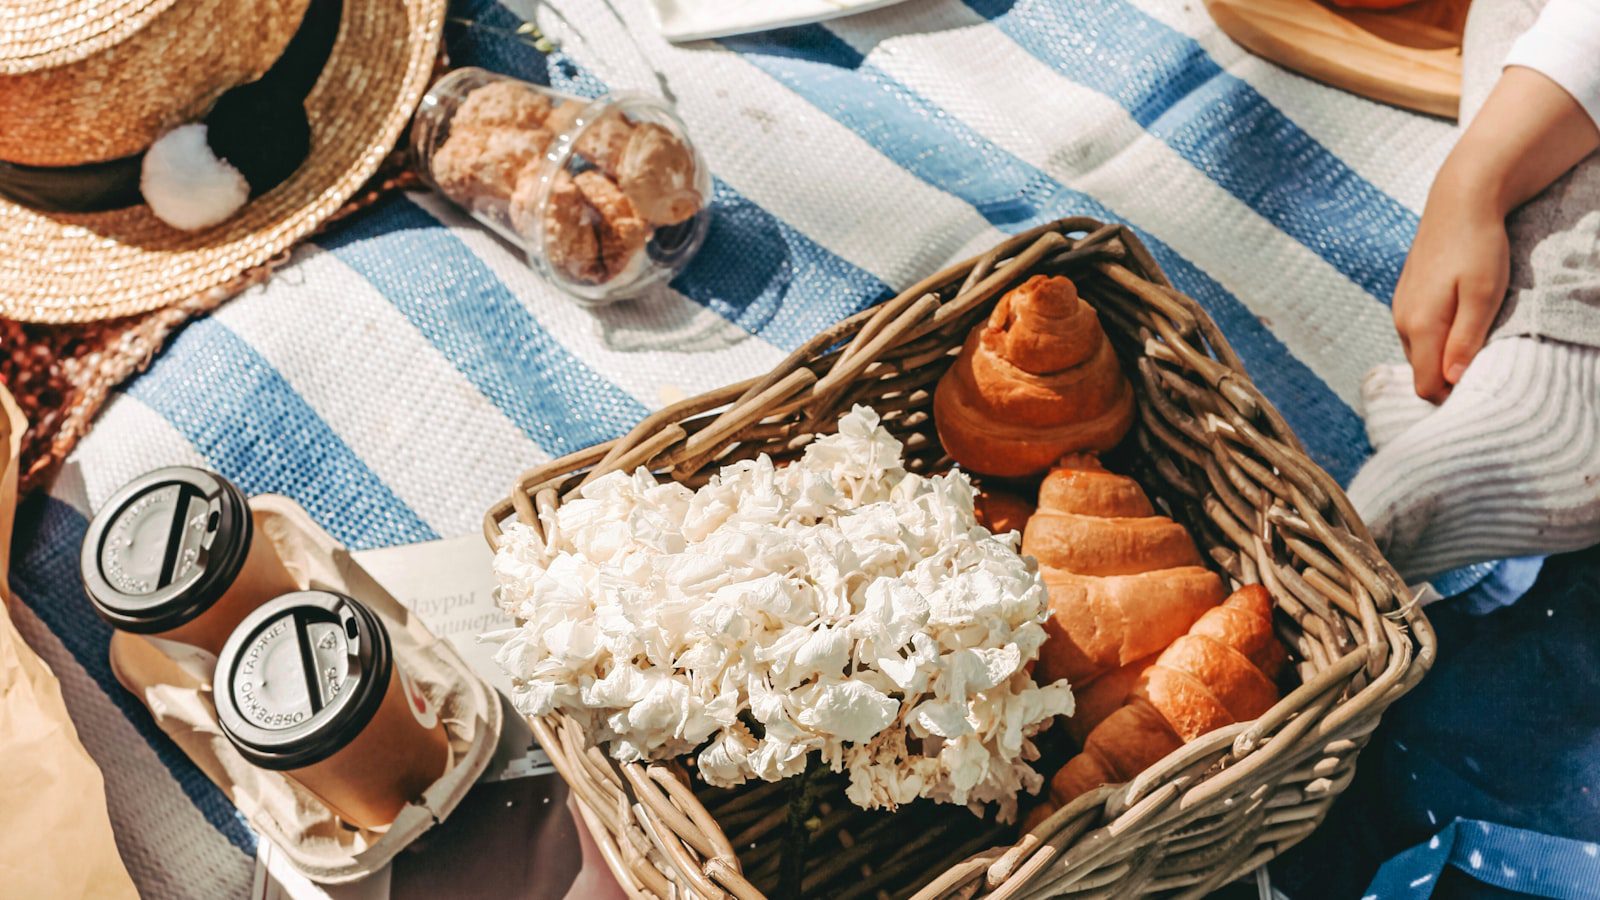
[55, 835]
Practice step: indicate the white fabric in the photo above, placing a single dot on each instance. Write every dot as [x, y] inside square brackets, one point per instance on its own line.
[186, 184]
[1508, 466]
[1564, 46]
[1389, 403]
[692, 20]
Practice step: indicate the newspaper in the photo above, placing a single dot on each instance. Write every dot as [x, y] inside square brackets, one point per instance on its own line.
[449, 585]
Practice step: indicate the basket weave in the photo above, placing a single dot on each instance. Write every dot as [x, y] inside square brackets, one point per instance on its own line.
[1210, 448]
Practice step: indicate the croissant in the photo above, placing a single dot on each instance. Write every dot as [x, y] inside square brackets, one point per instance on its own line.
[1104, 695]
[1037, 380]
[1123, 581]
[1222, 671]
[1001, 512]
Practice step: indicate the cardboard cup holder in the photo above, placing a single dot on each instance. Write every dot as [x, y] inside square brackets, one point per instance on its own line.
[174, 682]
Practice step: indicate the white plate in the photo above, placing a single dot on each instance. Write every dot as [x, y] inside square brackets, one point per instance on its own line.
[693, 20]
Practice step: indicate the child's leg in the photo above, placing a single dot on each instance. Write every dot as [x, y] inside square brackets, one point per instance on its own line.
[1509, 465]
[1389, 403]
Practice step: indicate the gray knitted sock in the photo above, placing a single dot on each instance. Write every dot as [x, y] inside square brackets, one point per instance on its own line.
[1509, 465]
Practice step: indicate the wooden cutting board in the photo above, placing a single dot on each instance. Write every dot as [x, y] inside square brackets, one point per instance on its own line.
[1410, 56]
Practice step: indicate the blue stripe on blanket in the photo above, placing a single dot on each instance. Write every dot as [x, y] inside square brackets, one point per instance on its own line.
[475, 321]
[1222, 126]
[46, 578]
[754, 269]
[486, 35]
[1013, 195]
[249, 423]
[769, 278]
[1516, 861]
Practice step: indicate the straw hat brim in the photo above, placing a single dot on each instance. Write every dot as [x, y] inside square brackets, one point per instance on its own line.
[77, 267]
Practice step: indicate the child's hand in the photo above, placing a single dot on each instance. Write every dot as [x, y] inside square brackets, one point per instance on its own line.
[1529, 131]
[1452, 285]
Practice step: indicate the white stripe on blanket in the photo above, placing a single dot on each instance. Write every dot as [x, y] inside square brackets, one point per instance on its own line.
[128, 440]
[363, 363]
[973, 71]
[1394, 149]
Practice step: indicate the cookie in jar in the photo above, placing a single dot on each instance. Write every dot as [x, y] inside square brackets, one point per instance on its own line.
[607, 196]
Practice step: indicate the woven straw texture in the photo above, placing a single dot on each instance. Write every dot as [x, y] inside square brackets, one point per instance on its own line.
[1221, 459]
[61, 375]
[39, 34]
[82, 267]
[111, 94]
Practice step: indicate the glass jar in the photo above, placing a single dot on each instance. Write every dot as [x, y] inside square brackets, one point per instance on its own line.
[607, 197]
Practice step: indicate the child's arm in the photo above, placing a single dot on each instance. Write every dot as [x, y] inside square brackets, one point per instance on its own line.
[1534, 126]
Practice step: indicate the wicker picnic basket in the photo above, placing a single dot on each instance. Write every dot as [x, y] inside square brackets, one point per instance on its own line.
[1216, 455]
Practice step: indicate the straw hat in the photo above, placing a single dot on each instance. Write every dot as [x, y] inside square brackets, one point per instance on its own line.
[91, 84]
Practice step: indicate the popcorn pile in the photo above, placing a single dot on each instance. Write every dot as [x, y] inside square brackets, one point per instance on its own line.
[839, 605]
[625, 180]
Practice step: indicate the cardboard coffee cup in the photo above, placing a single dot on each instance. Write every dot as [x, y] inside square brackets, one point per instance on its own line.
[173, 554]
[308, 685]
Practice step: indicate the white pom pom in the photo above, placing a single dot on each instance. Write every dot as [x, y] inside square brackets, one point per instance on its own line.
[186, 185]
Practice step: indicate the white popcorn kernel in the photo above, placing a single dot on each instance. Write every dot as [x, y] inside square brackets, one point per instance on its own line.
[850, 711]
[837, 606]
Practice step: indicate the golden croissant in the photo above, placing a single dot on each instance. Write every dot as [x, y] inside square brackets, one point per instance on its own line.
[1124, 582]
[1219, 673]
[1037, 380]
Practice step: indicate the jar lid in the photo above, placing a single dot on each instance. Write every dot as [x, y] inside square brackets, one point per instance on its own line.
[164, 548]
[300, 677]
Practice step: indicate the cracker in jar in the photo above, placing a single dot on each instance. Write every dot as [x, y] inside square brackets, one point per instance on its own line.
[571, 244]
[476, 163]
[564, 116]
[604, 140]
[621, 231]
[502, 104]
[657, 172]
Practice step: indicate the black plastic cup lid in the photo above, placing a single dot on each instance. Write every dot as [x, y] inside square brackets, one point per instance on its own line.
[164, 548]
[300, 677]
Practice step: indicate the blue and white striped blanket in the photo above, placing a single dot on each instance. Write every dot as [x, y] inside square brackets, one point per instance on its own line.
[399, 373]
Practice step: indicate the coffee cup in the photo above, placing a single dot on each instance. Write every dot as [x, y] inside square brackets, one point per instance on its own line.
[174, 554]
[308, 684]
